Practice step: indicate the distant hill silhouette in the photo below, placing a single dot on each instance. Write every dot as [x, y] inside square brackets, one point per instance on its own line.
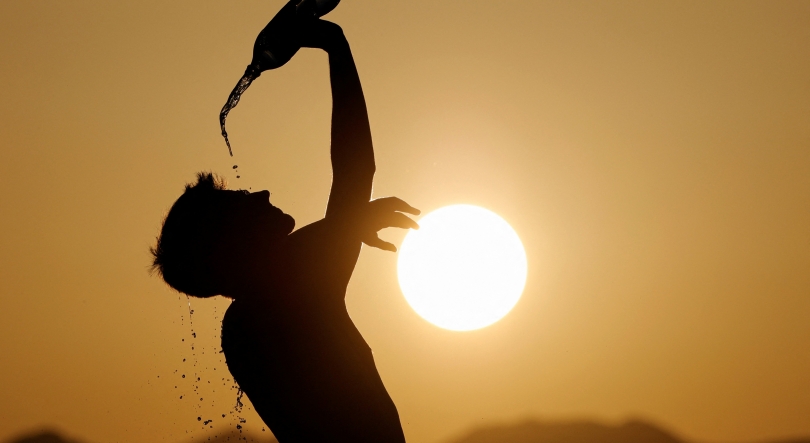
[570, 432]
[530, 431]
[43, 436]
[49, 436]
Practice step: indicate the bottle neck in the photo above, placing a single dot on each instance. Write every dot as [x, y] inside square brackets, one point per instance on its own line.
[253, 71]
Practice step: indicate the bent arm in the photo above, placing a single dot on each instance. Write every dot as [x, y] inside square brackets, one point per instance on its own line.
[352, 150]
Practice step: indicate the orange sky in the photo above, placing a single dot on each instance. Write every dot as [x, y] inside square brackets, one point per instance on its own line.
[653, 156]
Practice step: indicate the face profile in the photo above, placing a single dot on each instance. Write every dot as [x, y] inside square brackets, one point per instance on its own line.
[253, 211]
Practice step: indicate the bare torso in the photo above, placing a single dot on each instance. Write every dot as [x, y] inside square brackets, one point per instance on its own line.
[295, 352]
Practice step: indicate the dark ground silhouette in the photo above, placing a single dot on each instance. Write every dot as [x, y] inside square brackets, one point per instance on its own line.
[529, 431]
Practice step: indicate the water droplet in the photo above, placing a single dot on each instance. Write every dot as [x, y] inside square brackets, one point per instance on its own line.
[184, 375]
[235, 166]
[199, 418]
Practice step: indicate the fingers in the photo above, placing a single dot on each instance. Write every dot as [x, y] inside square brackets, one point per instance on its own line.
[315, 8]
[392, 220]
[316, 33]
[394, 204]
[399, 220]
[388, 213]
[375, 242]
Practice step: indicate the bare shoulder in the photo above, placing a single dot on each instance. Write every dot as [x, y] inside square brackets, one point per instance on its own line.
[320, 237]
[321, 256]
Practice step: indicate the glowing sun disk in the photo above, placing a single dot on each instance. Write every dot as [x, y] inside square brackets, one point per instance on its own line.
[464, 269]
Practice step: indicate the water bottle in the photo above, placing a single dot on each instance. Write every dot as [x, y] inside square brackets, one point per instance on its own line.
[275, 46]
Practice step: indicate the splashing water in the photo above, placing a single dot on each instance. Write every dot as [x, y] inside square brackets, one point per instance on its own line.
[275, 45]
[251, 73]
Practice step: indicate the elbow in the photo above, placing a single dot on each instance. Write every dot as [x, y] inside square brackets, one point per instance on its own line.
[369, 174]
[357, 173]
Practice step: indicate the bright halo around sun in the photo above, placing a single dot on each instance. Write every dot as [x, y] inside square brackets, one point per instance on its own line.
[464, 269]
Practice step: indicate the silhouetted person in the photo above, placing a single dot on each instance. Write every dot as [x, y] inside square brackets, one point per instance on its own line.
[287, 337]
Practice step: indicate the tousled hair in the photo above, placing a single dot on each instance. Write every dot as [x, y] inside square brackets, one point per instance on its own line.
[184, 250]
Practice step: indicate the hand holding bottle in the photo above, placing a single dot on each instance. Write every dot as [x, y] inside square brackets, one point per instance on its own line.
[275, 45]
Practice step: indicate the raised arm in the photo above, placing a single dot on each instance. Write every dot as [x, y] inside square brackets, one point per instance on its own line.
[352, 150]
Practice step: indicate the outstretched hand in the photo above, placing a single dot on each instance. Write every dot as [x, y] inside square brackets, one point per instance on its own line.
[384, 213]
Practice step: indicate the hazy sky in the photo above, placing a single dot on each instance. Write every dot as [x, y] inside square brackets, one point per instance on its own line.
[654, 157]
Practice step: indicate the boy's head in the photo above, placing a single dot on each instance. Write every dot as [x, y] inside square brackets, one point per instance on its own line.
[210, 233]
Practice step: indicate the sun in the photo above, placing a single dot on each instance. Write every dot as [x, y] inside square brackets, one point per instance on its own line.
[464, 269]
